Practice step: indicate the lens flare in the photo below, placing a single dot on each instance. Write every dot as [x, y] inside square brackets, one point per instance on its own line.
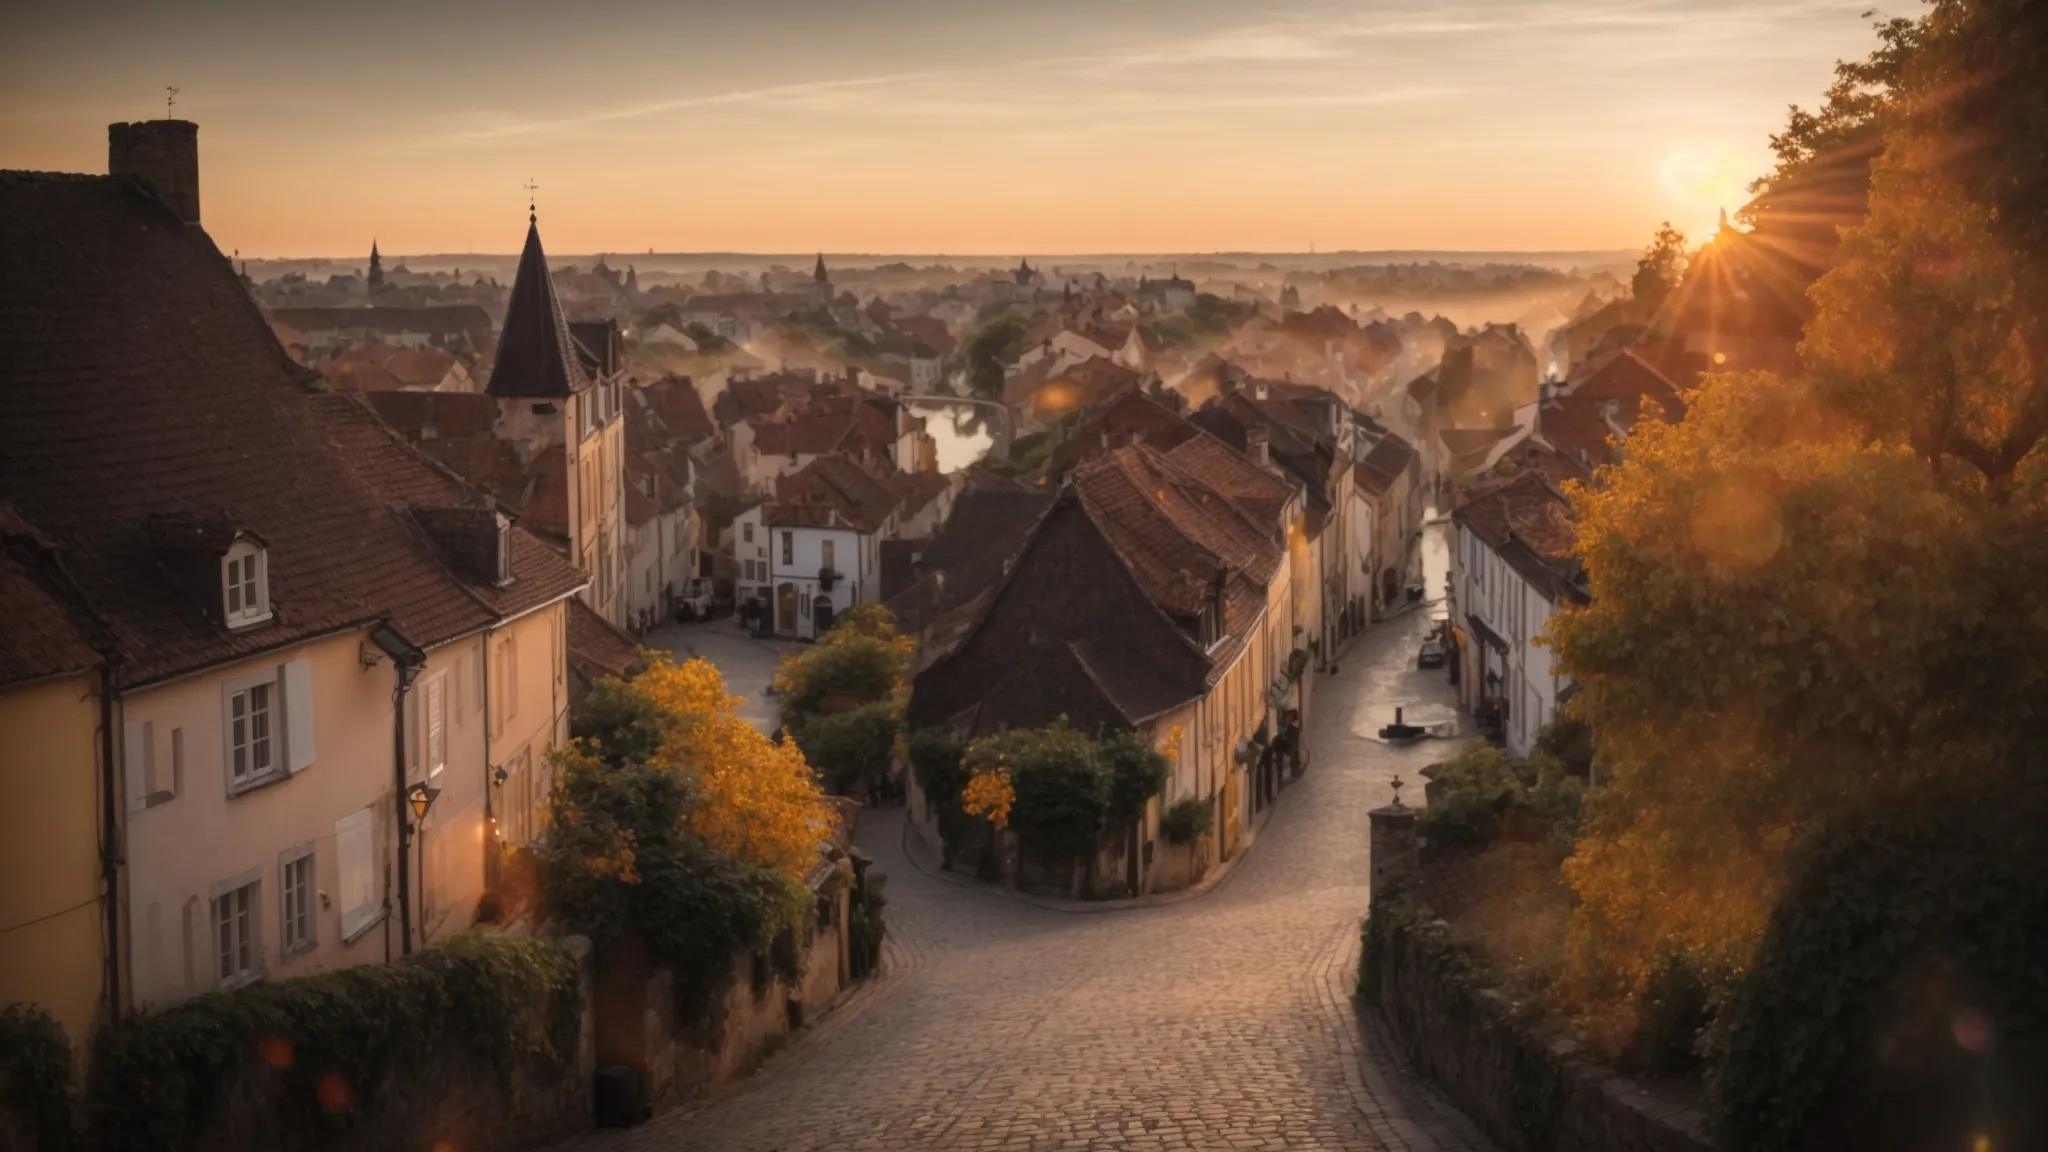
[1736, 526]
[276, 1051]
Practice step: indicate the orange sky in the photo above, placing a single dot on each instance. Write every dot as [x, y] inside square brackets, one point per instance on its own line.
[935, 126]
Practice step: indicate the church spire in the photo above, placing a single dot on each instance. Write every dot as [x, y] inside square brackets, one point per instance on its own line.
[820, 275]
[376, 267]
[535, 354]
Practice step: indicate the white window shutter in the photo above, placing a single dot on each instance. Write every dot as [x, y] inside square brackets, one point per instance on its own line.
[298, 714]
[135, 763]
[355, 854]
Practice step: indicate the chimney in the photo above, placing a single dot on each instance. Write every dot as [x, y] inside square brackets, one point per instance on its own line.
[1258, 445]
[162, 155]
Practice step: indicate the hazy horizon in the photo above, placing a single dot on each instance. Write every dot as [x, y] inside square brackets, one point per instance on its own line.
[927, 126]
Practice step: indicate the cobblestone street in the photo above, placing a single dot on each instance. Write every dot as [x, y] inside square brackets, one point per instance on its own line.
[1223, 1021]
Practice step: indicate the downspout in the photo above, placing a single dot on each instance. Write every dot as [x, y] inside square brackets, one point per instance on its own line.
[110, 831]
[403, 686]
[406, 662]
[492, 867]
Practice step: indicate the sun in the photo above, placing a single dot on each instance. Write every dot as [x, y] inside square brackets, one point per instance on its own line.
[1703, 180]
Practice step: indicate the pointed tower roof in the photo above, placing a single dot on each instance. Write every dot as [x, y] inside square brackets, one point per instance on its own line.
[820, 275]
[535, 356]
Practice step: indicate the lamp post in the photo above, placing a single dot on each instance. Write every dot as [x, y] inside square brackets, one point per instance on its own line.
[421, 797]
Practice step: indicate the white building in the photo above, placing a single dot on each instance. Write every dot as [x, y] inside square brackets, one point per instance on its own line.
[1512, 568]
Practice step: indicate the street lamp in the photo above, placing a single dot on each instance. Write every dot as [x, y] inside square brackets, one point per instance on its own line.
[421, 797]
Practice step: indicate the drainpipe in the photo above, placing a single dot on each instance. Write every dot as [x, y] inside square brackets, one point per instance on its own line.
[407, 660]
[110, 832]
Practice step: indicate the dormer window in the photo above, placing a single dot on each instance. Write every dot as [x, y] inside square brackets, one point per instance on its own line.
[245, 582]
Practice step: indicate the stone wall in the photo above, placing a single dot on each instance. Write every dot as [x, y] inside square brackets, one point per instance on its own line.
[1527, 1084]
[637, 1024]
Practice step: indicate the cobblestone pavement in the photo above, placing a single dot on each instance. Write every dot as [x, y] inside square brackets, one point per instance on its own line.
[1221, 1022]
[746, 664]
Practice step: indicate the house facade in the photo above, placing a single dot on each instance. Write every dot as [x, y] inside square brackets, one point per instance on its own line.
[1512, 569]
[289, 612]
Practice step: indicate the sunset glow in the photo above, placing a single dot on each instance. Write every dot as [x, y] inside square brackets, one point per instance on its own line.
[934, 128]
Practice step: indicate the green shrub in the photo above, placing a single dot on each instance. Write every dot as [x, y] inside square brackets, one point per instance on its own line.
[1137, 773]
[35, 1074]
[619, 858]
[1188, 821]
[165, 1079]
[1899, 998]
[850, 749]
[1481, 795]
[1672, 1017]
[1473, 792]
[936, 757]
[619, 723]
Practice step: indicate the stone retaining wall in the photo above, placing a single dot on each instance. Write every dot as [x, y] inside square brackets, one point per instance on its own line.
[1527, 1085]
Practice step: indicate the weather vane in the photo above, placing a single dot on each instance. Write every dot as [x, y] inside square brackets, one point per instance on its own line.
[170, 99]
[531, 215]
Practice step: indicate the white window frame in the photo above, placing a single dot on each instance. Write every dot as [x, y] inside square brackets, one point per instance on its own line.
[298, 922]
[274, 767]
[245, 584]
[242, 900]
[357, 862]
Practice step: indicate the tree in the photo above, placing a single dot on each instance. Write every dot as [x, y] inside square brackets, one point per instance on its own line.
[989, 351]
[843, 698]
[1659, 270]
[1831, 587]
[756, 799]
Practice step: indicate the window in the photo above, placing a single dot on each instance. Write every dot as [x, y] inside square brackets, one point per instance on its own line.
[747, 533]
[250, 747]
[296, 888]
[237, 954]
[789, 547]
[825, 550]
[355, 857]
[245, 581]
[268, 722]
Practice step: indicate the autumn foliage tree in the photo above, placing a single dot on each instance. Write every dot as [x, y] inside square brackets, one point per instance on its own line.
[1818, 592]
[756, 799]
[678, 828]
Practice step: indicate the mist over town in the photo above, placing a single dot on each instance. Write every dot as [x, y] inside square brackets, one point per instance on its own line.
[801, 576]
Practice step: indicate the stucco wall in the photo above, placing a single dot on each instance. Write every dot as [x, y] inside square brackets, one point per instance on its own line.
[49, 845]
[179, 850]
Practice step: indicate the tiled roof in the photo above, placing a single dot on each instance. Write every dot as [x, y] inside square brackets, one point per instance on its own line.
[1262, 495]
[536, 355]
[915, 490]
[1069, 632]
[860, 499]
[48, 632]
[597, 649]
[140, 381]
[1528, 522]
[1384, 463]
[1129, 417]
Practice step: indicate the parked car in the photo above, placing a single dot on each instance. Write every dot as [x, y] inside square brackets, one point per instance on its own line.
[1432, 654]
[696, 601]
